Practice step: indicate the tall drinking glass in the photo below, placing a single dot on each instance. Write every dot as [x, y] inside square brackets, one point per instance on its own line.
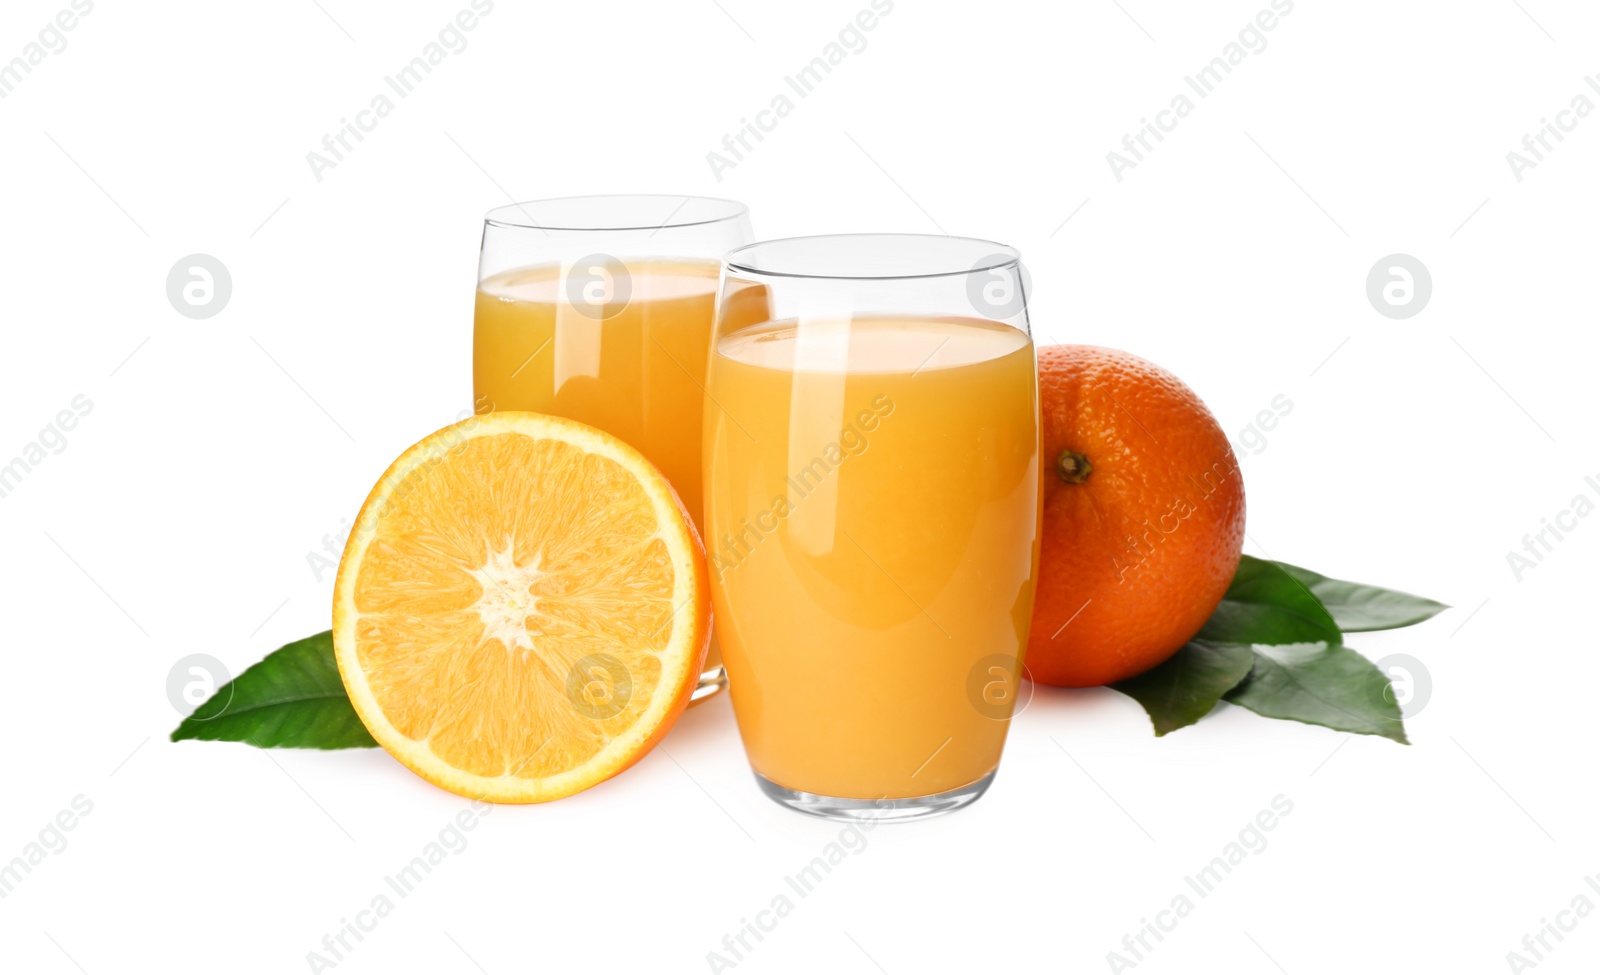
[599, 309]
[872, 512]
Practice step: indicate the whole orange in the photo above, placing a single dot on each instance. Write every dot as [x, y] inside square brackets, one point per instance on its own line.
[1143, 517]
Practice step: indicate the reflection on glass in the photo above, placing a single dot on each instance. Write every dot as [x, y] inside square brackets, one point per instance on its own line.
[872, 509]
[600, 309]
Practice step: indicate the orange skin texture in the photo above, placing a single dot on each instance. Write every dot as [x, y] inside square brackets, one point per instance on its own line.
[1140, 553]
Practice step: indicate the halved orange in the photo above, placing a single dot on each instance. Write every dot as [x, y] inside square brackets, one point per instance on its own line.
[522, 609]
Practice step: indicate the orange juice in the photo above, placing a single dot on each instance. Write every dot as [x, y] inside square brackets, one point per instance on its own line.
[629, 358]
[872, 516]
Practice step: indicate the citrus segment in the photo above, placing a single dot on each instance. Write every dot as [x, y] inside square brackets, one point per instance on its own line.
[522, 608]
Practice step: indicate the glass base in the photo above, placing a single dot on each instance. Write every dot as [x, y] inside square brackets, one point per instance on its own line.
[875, 810]
[712, 681]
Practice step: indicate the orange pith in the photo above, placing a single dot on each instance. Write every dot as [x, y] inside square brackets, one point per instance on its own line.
[522, 608]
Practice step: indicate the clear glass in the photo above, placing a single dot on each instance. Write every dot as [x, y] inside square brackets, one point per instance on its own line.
[599, 309]
[872, 515]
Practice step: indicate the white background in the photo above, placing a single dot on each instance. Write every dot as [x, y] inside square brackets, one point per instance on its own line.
[219, 452]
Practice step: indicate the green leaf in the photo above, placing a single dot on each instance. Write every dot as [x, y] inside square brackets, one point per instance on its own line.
[1183, 690]
[1332, 686]
[292, 699]
[1359, 608]
[1265, 604]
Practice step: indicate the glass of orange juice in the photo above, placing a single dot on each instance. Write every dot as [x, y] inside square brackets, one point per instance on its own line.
[599, 309]
[871, 456]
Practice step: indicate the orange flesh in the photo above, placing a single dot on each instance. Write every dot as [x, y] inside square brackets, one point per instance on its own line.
[492, 573]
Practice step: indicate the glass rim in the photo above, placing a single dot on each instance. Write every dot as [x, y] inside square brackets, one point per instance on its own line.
[1007, 256]
[507, 216]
